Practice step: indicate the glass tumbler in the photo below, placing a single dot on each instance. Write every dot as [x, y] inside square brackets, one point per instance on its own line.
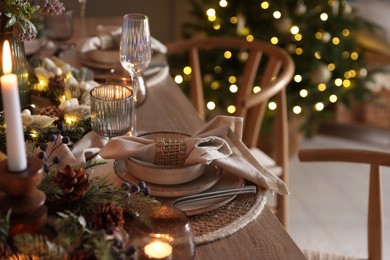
[162, 233]
[112, 107]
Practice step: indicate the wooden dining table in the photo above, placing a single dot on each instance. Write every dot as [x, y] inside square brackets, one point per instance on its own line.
[167, 109]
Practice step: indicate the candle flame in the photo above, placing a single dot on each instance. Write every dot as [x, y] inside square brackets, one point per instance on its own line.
[7, 60]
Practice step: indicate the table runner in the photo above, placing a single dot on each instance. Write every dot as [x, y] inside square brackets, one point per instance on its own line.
[228, 219]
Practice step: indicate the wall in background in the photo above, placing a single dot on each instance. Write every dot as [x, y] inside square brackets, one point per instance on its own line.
[166, 16]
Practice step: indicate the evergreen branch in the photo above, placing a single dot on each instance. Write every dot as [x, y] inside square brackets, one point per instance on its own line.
[38, 245]
[90, 164]
[4, 226]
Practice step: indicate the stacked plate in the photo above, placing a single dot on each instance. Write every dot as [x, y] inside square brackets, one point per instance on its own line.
[171, 182]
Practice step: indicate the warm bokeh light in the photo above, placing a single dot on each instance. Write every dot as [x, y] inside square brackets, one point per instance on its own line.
[210, 105]
[232, 79]
[277, 15]
[297, 110]
[231, 109]
[210, 12]
[264, 5]
[331, 66]
[223, 3]
[346, 32]
[178, 79]
[303, 93]
[217, 69]
[336, 40]
[297, 78]
[346, 83]
[338, 82]
[321, 87]
[250, 38]
[227, 54]
[233, 88]
[324, 17]
[319, 106]
[354, 55]
[215, 85]
[272, 105]
[333, 98]
[274, 40]
[256, 89]
[187, 70]
[298, 51]
[294, 29]
[298, 37]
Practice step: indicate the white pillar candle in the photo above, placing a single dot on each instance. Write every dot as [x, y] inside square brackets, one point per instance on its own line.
[16, 149]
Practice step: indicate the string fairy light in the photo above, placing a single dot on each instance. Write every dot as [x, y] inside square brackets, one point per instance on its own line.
[297, 110]
[223, 3]
[211, 105]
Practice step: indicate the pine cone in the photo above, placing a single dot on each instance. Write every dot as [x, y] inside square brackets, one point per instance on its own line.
[23, 31]
[5, 251]
[52, 111]
[57, 83]
[108, 216]
[74, 183]
[51, 7]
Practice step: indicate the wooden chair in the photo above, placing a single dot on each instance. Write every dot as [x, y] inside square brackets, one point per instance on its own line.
[374, 159]
[272, 68]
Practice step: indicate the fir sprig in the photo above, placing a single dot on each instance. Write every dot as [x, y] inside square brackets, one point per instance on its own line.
[4, 226]
[38, 245]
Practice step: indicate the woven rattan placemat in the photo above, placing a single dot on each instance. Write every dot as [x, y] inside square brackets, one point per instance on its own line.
[228, 219]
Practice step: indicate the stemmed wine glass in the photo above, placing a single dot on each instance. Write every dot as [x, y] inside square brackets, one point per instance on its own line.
[59, 29]
[136, 53]
[83, 7]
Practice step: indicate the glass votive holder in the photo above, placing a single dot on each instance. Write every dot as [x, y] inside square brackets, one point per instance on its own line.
[112, 109]
[163, 233]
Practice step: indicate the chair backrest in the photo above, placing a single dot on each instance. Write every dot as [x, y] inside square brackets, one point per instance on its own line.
[273, 78]
[267, 66]
[374, 159]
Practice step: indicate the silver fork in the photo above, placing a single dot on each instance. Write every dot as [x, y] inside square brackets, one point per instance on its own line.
[214, 194]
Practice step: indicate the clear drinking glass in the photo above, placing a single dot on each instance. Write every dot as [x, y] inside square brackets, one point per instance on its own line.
[136, 53]
[112, 107]
[59, 29]
[166, 234]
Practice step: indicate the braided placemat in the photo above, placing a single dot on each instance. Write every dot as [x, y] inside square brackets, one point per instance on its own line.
[228, 219]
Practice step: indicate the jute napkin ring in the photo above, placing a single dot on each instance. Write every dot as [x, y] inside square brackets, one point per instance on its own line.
[170, 151]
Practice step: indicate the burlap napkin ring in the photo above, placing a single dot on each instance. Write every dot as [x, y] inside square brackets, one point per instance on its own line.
[170, 151]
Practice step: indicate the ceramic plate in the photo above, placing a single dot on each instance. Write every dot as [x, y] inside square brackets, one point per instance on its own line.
[227, 181]
[208, 179]
[164, 174]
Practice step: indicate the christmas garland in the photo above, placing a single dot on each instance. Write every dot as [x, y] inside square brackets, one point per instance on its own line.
[88, 216]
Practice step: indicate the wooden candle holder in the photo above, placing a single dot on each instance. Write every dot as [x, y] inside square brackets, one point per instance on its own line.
[21, 196]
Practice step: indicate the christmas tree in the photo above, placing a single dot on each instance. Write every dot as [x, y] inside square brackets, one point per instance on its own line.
[319, 35]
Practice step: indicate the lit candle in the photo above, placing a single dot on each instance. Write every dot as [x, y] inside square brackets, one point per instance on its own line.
[16, 150]
[158, 250]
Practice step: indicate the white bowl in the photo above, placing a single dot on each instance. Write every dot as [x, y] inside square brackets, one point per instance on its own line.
[164, 174]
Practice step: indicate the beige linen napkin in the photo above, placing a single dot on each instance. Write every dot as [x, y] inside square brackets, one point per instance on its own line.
[109, 40]
[83, 150]
[217, 142]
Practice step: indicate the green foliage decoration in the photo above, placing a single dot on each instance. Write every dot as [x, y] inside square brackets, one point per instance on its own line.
[330, 63]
